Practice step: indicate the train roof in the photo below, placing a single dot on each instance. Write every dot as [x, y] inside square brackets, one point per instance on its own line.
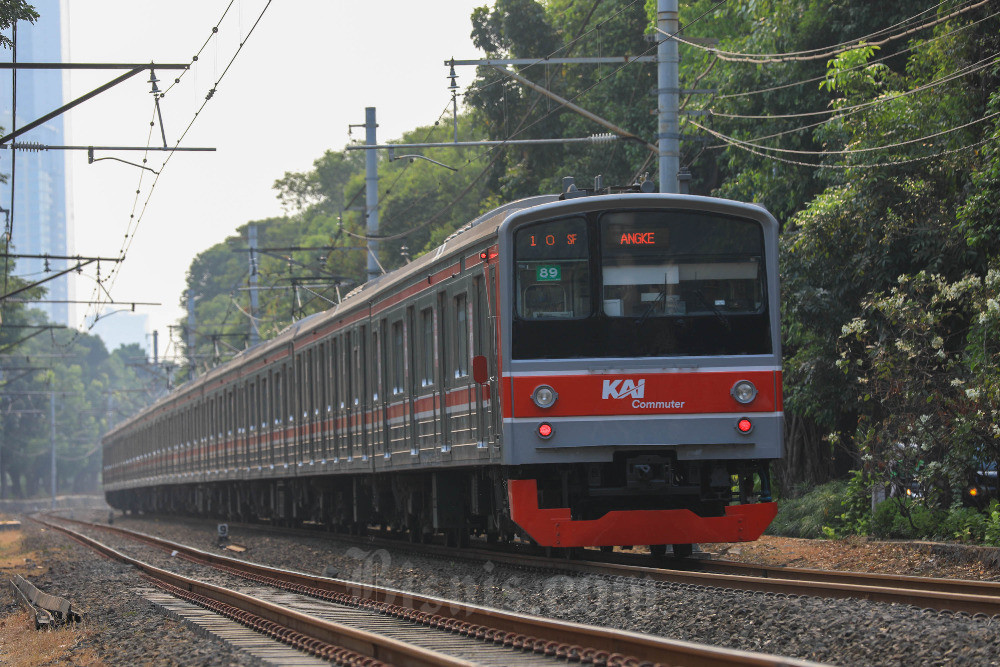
[476, 230]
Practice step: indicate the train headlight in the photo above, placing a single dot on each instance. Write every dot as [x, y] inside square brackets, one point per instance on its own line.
[544, 396]
[744, 392]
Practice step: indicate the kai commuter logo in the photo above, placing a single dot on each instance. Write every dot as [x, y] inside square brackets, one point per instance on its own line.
[623, 389]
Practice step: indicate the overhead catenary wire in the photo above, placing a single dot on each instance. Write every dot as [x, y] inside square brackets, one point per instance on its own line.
[913, 47]
[830, 52]
[112, 277]
[522, 128]
[750, 148]
[848, 151]
[846, 112]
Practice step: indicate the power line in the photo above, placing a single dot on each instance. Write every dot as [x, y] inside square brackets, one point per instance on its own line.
[750, 148]
[133, 227]
[520, 129]
[850, 111]
[969, 69]
[817, 54]
[915, 47]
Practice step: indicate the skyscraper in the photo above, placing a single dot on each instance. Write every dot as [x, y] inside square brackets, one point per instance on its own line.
[38, 209]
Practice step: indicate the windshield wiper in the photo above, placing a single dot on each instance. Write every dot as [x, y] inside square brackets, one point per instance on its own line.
[715, 310]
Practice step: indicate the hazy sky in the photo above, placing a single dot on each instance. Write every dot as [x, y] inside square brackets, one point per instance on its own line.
[306, 72]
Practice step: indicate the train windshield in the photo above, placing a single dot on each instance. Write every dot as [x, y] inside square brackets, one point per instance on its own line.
[640, 283]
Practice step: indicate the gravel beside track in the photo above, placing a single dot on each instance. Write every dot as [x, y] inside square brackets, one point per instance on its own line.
[119, 626]
[848, 632]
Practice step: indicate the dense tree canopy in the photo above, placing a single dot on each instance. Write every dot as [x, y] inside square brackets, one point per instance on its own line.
[869, 129]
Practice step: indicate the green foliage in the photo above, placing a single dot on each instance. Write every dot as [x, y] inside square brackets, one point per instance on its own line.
[890, 248]
[12, 11]
[806, 515]
[992, 531]
[904, 518]
[841, 508]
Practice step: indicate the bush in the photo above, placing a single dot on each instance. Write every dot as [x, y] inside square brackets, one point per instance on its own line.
[806, 516]
[836, 509]
[904, 518]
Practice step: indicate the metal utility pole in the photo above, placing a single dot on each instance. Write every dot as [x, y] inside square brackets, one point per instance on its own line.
[667, 95]
[156, 347]
[371, 192]
[252, 240]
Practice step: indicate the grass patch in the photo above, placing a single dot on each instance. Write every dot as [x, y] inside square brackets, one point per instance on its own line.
[806, 515]
[20, 643]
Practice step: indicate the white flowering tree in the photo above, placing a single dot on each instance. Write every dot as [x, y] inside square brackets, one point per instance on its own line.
[925, 359]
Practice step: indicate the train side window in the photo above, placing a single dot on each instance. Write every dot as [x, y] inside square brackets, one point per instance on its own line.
[461, 346]
[427, 347]
[397, 357]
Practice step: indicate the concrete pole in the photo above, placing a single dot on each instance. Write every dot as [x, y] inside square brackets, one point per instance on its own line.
[252, 238]
[371, 191]
[190, 341]
[52, 441]
[668, 94]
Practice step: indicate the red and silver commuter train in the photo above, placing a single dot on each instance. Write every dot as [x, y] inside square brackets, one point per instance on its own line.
[590, 370]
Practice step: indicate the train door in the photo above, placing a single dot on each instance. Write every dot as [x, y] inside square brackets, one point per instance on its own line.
[364, 392]
[309, 408]
[288, 412]
[491, 350]
[349, 404]
[278, 425]
[479, 326]
[377, 368]
[266, 419]
[461, 394]
[357, 395]
[444, 372]
[410, 380]
[322, 399]
[397, 413]
[296, 411]
[337, 396]
[427, 405]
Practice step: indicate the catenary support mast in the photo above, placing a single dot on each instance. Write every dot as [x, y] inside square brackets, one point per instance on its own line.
[667, 95]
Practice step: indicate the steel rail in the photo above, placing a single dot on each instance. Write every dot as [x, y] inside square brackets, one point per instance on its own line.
[957, 595]
[368, 644]
[520, 630]
[901, 581]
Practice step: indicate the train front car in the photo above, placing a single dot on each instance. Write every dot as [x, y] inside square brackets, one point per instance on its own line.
[641, 368]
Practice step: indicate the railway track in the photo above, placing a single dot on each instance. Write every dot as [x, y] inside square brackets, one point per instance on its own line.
[954, 595]
[356, 623]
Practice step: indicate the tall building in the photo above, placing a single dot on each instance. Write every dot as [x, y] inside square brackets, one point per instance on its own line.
[38, 210]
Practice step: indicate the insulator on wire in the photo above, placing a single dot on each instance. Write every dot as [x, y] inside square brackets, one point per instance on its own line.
[604, 138]
[30, 146]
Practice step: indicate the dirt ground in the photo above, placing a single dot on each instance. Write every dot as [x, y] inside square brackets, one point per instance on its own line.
[928, 559]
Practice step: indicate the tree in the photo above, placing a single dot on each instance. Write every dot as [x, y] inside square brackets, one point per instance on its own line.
[12, 11]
